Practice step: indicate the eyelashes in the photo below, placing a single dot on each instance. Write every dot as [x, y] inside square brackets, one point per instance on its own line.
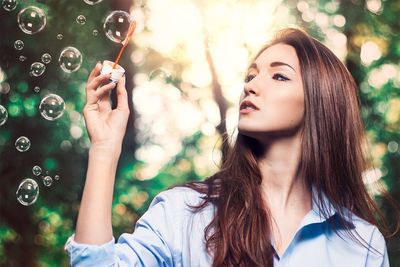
[276, 76]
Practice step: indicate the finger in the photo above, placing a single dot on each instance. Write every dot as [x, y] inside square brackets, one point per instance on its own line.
[95, 72]
[93, 97]
[105, 102]
[122, 95]
[96, 82]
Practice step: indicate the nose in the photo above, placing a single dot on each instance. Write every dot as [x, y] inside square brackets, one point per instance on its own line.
[248, 89]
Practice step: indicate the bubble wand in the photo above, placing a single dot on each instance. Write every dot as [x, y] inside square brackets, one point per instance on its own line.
[131, 29]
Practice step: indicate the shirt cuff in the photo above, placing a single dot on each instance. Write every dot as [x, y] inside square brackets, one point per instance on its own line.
[91, 255]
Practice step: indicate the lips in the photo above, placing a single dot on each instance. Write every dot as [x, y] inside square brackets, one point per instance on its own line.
[248, 105]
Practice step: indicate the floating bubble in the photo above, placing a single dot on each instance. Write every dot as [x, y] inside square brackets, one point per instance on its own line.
[116, 25]
[46, 58]
[22, 144]
[22, 58]
[31, 20]
[4, 88]
[57, 177]
[27, 192]
[92, 2]
[81, 19]
[160, 74]
[60, 36]
[36, 89]
[70, 59]
[95, 32]
[19, 45]
[52, 107]
[3, 115]
[9, 5]
[37, 68]
[47, 180]
[36, 170]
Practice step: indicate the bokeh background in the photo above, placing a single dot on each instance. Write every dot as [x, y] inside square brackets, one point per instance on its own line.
[185, 67]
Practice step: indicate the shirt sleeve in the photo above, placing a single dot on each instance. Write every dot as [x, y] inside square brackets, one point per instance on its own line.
[156, 240]
[377, 253]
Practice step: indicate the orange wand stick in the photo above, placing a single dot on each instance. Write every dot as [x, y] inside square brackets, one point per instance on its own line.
[125, 42]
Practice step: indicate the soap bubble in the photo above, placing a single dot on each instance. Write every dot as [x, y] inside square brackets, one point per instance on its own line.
[31, 20]
[60, 36]
[116, 25]
[36, 89]
[95, 32]
[36, 170]
[3, 115]
[37, 68]
[4, 88]
[92, 2]
[9, 5]
[160, 74]
[27, 192]
[19, 45]
[81, 19]
[22, 58]
[22, 144]
[57, 177]
[70, 59]
[52, 107]
[46, 58]
[47, 180]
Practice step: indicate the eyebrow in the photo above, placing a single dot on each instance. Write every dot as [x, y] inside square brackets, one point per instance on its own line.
[273, 64]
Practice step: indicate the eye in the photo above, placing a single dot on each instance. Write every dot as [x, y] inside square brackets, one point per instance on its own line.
[280, 77]
[249, 78]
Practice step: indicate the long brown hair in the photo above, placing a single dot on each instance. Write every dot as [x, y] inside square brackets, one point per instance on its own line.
[332, 162]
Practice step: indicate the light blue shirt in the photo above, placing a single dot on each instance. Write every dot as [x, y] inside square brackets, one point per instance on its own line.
[170, 234]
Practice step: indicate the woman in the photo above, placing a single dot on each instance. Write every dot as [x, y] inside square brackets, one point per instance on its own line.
[290, 192]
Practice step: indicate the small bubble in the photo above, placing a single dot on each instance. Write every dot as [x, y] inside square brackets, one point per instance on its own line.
[393, 146]
[57, 177]
[37, 68]
[52, 107]
[31, 20]
[36, 170]
[22, 144]
[70, 59]
[3, 115]
[19, 45]
[92, 2]
[95, 32]
[116, 25]
[81, 19]
[46, 58]
[36, 89]
[47, 181]
[160, 74]
[27, 192]
[22, 58]
[4, 88]
[9, 5]
[60, 36]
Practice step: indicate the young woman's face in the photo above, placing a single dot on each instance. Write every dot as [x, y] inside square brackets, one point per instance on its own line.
[274, 86]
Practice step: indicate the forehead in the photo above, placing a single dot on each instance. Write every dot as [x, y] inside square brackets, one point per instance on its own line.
[278, 53]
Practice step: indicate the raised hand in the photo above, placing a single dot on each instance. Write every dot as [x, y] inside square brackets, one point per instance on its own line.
[106, 126]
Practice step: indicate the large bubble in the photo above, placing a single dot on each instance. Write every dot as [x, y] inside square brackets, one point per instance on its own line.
[116, 25]
[31, 20]
[9, 5]
[3, 115]
[37, 68]
[27, 192]
[70, 59]
[22, 143]
[92, 2]
[52, 107]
